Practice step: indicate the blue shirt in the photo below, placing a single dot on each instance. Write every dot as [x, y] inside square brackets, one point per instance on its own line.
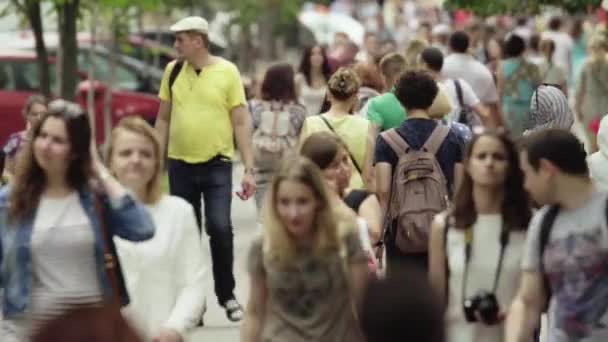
[416, 132]
[124, 217]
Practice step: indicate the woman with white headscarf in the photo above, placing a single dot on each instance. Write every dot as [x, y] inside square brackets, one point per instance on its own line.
[598, 161]
[549, 109]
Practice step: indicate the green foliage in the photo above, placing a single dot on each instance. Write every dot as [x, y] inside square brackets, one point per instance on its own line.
[284, 12]
[488, 8]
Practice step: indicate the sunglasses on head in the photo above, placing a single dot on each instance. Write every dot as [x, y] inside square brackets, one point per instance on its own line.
[67, 108]
[481, 130]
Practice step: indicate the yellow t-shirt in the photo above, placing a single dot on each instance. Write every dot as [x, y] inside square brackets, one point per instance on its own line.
[353, 130]
[201, 125]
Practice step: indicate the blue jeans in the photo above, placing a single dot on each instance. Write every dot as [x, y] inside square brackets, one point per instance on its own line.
[214, 180]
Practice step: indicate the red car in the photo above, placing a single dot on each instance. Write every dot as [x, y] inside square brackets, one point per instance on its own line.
[19, 78]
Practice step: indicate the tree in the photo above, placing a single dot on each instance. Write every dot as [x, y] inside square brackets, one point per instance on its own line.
[68, 11]
[31, 10]
[488, 8]
[273, 20]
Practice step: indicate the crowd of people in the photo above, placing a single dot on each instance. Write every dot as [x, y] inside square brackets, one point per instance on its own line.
[432, 195]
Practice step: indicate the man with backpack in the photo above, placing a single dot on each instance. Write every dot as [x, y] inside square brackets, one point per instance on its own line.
[466, 107]
[414, 171]
[566, 259]
[203, 108]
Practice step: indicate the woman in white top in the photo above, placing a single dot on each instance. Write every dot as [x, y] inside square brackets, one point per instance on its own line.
[164, 276]
[312, 78]
[55, 227]
[478, 245]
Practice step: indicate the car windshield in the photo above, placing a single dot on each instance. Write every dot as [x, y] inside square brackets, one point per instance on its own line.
[125, 79]
[26, 77]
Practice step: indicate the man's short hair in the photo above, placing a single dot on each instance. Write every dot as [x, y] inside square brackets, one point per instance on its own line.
[402, 307]
[555, 23]
[514, 46]
[459, 41]
[560, 147]
[416, 89]
[433, 57]
[392, 65]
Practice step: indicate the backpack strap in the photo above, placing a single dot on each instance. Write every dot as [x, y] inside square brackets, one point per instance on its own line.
[459, 93]
[446, 230]
[545, 232]
[395, 141]
[437, 137]
[174, 73]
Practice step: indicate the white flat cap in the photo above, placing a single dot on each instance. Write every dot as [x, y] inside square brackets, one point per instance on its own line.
[441, 29]
[191, 24]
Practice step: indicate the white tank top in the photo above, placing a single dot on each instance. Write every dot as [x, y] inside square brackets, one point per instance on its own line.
[485, 253]
[312, 98]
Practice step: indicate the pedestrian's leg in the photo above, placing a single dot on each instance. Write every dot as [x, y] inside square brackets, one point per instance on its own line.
[182, 183]
[217, 194]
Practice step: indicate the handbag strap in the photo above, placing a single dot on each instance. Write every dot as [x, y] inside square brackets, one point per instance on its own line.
[109, 259]
[352, 158]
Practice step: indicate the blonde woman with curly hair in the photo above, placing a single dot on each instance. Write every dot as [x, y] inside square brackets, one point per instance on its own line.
[308, 268]
[353, 130]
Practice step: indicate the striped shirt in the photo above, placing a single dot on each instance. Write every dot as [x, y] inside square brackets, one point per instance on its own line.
[549, 109]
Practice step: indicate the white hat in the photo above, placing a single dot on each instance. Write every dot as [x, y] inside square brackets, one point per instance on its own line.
[197, 24]
[441, 29]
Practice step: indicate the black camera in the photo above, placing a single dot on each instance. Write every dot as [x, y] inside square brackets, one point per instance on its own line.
[485, 305]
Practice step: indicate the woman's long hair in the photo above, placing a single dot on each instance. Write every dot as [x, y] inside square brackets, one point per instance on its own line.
[137, 125]
[30, 179]
[516, 210]
[331, 223]
[305, 66]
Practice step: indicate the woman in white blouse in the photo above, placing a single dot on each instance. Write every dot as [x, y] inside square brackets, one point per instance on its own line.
[164, 275]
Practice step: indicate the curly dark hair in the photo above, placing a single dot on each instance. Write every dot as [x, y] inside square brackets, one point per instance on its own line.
[516, 206]
[30, 179]
[416, 89]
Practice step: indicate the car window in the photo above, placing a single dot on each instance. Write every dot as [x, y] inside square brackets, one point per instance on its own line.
[125, 78]
[7, 81]
[26, 76]
[147, 54]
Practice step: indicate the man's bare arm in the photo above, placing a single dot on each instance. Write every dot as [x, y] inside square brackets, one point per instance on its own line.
[523, 318]
[163, 119]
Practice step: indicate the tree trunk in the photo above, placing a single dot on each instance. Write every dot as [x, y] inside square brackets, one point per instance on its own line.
[42, 58]
[266, 33]
[107, 104]
[91, 72]
[68, 64]
[244, 49]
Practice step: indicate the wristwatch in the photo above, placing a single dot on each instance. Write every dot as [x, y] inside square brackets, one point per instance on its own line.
[249, 170]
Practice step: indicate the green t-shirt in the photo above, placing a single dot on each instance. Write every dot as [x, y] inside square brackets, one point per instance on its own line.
[386, 111]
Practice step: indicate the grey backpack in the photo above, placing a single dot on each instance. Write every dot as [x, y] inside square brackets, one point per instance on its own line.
[419, 189]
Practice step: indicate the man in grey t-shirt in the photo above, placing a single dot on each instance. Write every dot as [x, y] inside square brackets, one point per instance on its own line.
[575, 256]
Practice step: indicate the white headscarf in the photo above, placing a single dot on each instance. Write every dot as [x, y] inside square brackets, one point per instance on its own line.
[598, 162]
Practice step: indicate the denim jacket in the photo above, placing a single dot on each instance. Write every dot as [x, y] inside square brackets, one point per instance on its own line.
[124, 217]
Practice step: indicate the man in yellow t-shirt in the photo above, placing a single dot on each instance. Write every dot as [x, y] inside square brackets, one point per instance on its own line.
[200, 114]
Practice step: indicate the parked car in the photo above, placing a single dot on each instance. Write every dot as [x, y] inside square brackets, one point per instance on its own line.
[131, 74]
[145, 46]
[19, 79]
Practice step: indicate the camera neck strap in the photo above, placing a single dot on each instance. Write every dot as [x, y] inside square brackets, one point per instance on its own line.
[504, 241]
